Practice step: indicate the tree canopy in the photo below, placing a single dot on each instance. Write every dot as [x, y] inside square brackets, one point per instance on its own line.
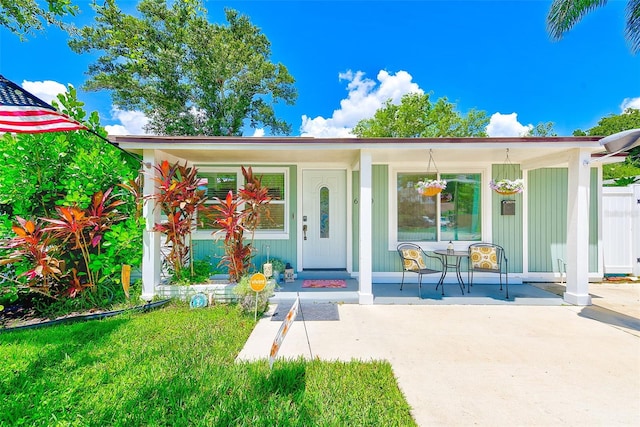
[25, 17]
[190, 77]
[417, 117]
[565, 14]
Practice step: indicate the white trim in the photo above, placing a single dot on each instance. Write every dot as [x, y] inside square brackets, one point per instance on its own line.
[577, 259]
[365, 251]
[151, 259]
[300, 167]
[207, 233]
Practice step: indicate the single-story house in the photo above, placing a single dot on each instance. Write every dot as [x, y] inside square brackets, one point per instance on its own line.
[346, 203]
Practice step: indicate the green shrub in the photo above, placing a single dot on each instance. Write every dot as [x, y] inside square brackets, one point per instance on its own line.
[247, 296]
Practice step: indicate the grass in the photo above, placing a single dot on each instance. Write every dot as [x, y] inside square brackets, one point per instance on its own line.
[176, 367]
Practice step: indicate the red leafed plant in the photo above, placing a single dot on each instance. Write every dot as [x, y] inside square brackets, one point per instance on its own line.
[179, 196]
[233, 221]
[34, 246]
[59, 251]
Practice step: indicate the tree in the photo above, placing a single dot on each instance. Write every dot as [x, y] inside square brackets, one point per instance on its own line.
[614, 123]
[417, 117]
[24, 17]
[543, 129]
[188, 76]
[564, 14]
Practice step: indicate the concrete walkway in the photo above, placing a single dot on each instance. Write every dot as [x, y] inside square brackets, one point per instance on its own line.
[491, 365]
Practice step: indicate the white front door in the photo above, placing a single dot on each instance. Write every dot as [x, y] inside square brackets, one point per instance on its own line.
[324, 219]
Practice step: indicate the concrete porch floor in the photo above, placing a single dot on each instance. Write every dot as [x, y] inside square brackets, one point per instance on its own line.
[390, 293]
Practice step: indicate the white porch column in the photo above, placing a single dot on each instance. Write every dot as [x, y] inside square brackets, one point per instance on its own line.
[635, 229]
[151, 263]
[577, 258]
[366, 240]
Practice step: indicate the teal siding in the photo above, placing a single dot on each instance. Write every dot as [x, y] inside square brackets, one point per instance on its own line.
[355, 229]
[507, 229]
[547, 200]
[547, 192]
[283, 249]
[382, 258]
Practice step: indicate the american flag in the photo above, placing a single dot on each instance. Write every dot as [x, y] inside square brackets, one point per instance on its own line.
[22, 112]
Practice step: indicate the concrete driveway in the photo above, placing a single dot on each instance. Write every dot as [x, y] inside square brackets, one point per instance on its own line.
[490, 365]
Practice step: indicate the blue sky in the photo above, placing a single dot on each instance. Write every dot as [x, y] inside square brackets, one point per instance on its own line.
[348, 57]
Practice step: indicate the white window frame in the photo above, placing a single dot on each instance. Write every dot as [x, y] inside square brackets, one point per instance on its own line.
[485, 213]
[207, 233]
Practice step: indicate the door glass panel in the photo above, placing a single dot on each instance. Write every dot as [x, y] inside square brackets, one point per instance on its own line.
[324, 213]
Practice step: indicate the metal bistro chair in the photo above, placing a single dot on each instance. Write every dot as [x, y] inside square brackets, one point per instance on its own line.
[488, 258]
[412, 258]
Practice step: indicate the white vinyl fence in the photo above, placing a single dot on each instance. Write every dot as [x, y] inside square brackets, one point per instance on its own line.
[621, 229]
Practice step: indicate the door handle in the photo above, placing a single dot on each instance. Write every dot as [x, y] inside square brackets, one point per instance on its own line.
[304, 231]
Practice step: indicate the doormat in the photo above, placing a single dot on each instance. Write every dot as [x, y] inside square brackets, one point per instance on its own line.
[309, 311]
[313, 283]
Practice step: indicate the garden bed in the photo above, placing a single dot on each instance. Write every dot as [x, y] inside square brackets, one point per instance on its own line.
[26, 319]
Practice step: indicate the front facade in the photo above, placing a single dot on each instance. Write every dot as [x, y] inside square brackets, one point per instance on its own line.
[345, 204]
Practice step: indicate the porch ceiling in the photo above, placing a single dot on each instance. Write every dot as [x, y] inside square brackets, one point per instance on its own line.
[219, 150]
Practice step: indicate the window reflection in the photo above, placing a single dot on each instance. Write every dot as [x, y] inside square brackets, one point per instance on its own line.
[454, 214]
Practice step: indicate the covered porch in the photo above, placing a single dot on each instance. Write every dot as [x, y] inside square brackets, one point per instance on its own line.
[358, 158]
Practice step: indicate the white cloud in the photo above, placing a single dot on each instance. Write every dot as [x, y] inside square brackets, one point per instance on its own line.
[258, 133]
[46, 90]
[507, 125]
[630, 103]
[133, 123]
[365, 97]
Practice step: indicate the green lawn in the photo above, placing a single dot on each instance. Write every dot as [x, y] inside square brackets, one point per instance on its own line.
[176, 367]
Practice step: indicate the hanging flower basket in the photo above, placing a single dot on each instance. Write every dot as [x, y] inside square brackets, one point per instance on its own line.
[507, 187]
[431, 187]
